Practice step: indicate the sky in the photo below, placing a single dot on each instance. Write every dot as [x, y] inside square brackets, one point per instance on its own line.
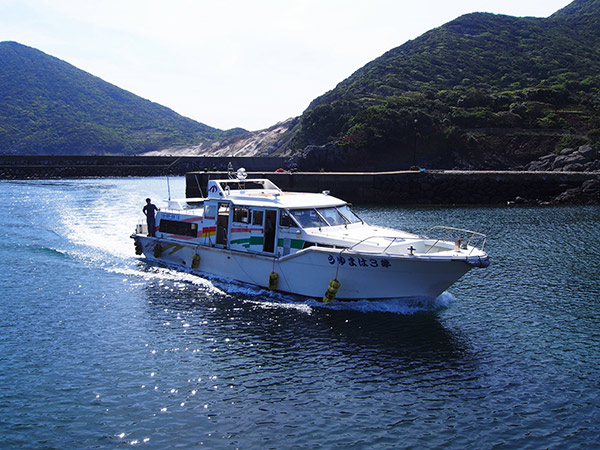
[233, 63]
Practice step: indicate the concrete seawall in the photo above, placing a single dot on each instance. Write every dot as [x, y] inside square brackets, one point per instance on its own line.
[58, 166]
[430, 187]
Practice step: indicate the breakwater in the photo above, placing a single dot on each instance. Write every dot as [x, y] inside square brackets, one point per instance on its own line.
[59, 166]
[405, 187]
[429, 187]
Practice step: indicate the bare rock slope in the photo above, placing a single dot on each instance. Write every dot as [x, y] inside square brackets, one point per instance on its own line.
[268, 142]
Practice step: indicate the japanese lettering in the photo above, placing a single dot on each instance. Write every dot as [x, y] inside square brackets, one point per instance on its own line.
[358, 262]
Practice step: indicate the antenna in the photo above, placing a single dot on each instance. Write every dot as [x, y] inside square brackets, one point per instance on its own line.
[169, 187]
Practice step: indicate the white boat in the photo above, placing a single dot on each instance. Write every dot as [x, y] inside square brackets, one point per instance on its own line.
[309, 244]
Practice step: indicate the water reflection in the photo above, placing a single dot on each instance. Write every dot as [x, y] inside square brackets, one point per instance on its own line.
[263, 327]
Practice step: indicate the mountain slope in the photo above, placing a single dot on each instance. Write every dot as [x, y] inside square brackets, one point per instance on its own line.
[49, 106]
[484, 91]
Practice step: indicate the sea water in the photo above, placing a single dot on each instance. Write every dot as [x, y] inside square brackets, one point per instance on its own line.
[100, 349]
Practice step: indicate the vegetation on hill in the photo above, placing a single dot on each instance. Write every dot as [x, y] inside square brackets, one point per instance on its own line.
[483, 91]
[47, 106]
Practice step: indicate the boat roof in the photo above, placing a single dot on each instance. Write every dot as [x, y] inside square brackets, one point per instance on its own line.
[264, 193]
[190, 203]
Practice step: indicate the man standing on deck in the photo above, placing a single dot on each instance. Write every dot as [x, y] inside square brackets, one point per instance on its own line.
[149, 211]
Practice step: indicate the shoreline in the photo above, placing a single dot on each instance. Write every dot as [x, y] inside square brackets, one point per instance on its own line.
[440, 187]
[428, 187]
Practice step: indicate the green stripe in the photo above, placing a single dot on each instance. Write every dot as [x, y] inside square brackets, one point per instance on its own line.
[295, 243]
[298, 244]
[247, 242]
[257, 240]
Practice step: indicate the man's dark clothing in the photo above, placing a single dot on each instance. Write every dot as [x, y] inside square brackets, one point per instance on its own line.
[149, 210]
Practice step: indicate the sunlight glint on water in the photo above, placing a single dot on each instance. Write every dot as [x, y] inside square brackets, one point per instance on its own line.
[101, 349]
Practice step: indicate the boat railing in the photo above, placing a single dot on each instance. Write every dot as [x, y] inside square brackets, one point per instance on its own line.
[375, 245]
[385, 245]
[462, 238]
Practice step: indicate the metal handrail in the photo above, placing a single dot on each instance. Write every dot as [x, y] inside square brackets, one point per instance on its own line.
[392, 238]
[473, 235]
[473, 239]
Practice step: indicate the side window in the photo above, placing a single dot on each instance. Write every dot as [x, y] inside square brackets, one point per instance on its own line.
[180, 228]
[257, 217]
[241, 214]
[210, 212]
[285, 220]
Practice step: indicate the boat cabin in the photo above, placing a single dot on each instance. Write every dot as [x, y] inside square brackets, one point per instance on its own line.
[255, 216]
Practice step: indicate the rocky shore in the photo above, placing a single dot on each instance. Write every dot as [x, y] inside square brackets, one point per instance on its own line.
[531, 187]
[583, 159]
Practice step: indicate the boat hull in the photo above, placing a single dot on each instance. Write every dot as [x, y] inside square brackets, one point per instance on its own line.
[309, 272]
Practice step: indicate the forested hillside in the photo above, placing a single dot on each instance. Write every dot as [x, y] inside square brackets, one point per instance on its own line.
[483, 91]
[48, 106]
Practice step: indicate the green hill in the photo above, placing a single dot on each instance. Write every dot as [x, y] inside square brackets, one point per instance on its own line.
[48, 106]
[482, 91]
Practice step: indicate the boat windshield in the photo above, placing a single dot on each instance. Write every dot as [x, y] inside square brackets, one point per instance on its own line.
[332, 216]
[308, 218]
[349, 214]
[324, 217]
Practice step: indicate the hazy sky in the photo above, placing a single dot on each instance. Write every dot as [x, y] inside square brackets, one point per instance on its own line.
[233, 63]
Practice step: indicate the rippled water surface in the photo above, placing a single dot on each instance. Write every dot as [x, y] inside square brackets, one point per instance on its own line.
[98, 349]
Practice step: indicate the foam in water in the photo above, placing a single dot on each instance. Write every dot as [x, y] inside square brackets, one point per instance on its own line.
[275, 300]
[165, 274]
[101, 235]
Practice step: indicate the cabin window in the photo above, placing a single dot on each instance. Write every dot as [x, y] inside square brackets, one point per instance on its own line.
[332, 216]
[257, 217]
[308, 218]
[179, 228]
[210, 212]
[349, 214]
[286, 221]
[241, 214]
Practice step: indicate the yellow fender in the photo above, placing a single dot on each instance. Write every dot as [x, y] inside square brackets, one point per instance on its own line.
[332, 290]
[195, 261]
[273, 280]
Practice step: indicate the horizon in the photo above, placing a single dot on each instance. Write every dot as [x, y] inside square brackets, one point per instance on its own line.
[232, 64]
